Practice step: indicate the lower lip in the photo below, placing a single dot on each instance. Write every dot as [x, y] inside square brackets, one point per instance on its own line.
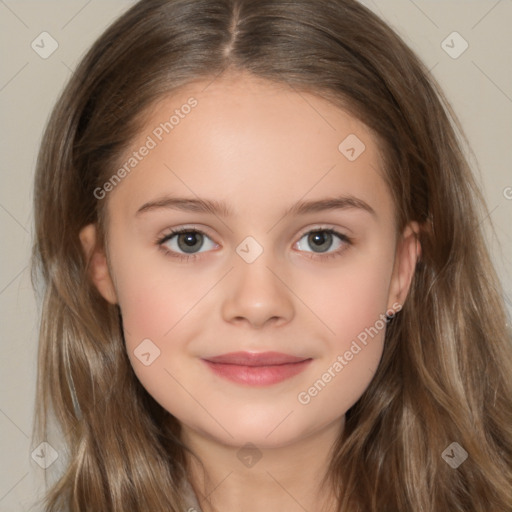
[257, 375]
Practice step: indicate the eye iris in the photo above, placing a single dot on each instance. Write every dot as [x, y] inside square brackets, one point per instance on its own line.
[322, 240]
[190, 242]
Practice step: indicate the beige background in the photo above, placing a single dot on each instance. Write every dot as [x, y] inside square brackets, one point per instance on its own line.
[478, 83]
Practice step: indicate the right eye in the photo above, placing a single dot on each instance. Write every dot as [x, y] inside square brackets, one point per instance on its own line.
[186, 242]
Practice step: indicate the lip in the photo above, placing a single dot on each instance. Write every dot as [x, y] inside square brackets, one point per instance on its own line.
[257, 369]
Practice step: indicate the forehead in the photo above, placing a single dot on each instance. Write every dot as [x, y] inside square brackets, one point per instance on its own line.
[247, 141]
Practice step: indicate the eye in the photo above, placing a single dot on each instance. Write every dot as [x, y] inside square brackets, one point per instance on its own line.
[322, 241]
[186, 242]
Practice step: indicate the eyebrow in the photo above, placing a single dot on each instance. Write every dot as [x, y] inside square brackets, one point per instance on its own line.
[222, 209]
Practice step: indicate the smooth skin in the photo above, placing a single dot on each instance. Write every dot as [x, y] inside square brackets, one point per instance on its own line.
[260, 148]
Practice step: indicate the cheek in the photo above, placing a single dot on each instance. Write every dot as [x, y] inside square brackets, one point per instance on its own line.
[352, 304]
[156, 307]
[154, 299]
[352, 298]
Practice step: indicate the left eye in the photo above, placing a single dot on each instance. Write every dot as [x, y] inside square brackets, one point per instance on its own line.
[322, 240]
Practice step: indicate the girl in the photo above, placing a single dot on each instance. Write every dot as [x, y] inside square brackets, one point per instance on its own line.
[266, 284]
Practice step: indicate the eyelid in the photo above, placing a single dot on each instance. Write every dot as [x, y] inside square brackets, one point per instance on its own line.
[170, 232]
[322, 227]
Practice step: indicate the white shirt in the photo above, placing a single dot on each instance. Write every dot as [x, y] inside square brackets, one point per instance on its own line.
[190, 498]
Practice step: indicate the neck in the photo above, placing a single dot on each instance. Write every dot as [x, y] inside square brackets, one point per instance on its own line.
[257, 479]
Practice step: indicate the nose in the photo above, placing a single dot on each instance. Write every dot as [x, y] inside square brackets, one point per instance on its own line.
[256, 295]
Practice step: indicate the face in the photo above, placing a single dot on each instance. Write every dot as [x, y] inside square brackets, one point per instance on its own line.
[287, 245]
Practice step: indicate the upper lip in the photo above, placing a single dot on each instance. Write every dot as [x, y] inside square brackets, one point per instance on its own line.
[255, 358]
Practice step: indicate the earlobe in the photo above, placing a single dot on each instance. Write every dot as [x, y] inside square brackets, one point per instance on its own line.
[98, 266]
[407, 255]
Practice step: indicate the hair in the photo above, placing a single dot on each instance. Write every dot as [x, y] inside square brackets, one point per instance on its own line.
[445, 373]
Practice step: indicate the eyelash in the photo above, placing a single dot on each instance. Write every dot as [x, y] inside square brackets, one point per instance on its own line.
[312, 255]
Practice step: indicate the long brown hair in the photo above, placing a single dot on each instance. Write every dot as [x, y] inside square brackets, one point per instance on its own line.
[446, 371]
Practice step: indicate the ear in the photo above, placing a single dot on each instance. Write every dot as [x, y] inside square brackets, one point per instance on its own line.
[407, 254]
[98, 266]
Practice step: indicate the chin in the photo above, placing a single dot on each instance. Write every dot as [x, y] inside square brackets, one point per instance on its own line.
[264, 430]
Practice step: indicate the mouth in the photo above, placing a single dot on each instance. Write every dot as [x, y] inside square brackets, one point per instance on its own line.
[257, 369]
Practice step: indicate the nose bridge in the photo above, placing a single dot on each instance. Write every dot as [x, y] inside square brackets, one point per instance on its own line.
[254, 293]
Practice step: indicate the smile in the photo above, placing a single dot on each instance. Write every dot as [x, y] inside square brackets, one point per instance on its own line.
[253, 369]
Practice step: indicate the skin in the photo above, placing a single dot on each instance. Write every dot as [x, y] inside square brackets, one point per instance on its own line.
[261, 148]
